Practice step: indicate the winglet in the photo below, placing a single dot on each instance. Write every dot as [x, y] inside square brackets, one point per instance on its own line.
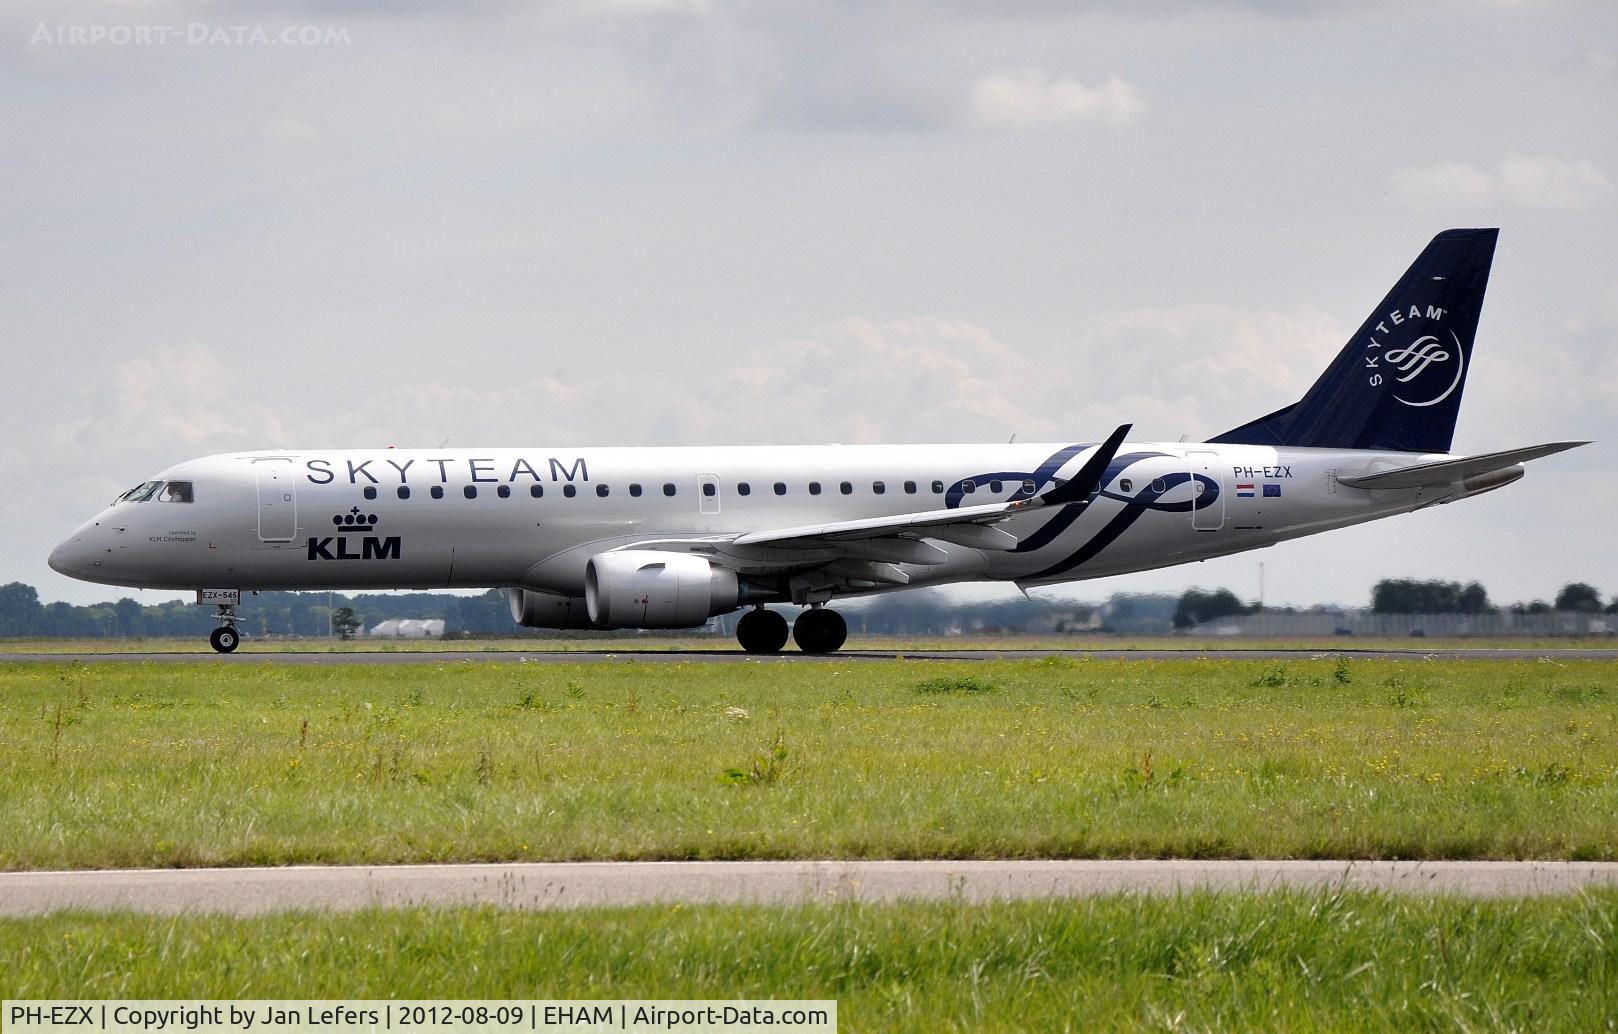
[1088, 479]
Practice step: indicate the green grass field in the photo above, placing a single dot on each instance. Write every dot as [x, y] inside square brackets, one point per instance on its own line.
[885, 644]
[179, 765]
[1324, 961]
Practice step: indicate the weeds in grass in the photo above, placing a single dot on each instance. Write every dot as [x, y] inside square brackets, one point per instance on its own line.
[574, 691]
[485, 768]
[1340, 674]
[1272, 679]
[1403, 697]
[303, 734]
[768, 766]
[949, 684]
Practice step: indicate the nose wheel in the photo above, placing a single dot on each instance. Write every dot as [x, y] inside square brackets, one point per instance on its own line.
[225, 638]
[819, 630]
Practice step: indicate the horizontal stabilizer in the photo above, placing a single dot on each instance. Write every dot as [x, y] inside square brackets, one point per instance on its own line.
[1445, 472]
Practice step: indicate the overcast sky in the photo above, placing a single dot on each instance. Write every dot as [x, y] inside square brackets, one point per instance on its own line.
[660, 222]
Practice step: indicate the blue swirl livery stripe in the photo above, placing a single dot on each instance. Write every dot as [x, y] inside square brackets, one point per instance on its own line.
[1040, 477]
[1135, 507]
[1064, 518]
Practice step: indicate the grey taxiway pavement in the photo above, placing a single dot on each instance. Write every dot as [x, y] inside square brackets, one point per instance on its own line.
[542, 885]
[789, 657]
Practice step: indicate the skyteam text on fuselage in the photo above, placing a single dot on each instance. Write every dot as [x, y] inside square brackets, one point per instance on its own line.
[670, 537]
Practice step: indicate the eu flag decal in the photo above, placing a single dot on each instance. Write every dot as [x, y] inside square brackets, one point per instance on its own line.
[1272, 491]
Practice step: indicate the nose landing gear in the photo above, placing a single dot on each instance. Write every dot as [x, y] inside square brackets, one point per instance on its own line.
[225, 638]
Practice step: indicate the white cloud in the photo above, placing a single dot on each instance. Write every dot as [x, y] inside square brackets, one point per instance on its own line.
[1450, 183]
[1029, 98]
[1531, 181]
[1549, 182]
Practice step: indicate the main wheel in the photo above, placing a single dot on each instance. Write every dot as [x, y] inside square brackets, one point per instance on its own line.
[762, 631]
[224, 639]
[819, 630]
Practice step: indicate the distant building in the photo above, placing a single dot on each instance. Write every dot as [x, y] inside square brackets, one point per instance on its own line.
[408, 628]
[1350, 622]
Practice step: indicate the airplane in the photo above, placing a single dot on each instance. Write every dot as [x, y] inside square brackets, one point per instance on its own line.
[665, 538]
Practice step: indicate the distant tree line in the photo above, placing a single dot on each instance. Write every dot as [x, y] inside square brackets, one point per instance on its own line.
[262, 614]
[921, 613]
[1408, 596]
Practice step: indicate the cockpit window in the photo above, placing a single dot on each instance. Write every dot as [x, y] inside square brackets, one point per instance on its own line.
[141, 492]
[176, 492]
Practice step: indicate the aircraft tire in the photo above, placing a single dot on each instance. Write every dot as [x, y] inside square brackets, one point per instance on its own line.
[819, 630]
[762, 631]
[224, 639]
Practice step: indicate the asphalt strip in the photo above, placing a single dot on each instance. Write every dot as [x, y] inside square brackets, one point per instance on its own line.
[560, 885]
[443, 657]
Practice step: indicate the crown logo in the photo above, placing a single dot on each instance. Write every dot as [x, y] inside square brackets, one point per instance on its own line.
[354, 520]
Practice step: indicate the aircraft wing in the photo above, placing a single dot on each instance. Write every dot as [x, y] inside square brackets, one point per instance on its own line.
[964, 525]
[1444, 472]
[977, 518]
[874, 544]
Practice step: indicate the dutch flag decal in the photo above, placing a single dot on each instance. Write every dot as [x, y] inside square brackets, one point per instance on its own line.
[1244, 489]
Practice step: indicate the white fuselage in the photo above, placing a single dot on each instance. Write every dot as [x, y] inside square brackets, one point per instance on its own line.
[532, 518]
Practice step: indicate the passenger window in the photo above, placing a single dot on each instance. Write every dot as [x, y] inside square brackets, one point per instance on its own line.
[634, 490]
[1159, 486]
[938, 488]
[602, 490]
[1126, 485]
[1028, 486]
[995, 486]
[569, 491]
[504, 491]
[668, 489]
[470, 491]
[780, 488]
[180, 492]
[438, 491]
[404, 491]
[370, 491]
[743, 488]
[536, 491]
[910, 488]
[708, 489]
[878, 487]
[846, 488]
[968, 487]
[814, 488]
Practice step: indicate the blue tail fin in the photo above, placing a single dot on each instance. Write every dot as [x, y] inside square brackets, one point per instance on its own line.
[1397, 384]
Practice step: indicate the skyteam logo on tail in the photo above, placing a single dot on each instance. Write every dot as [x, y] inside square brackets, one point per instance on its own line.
[1418, 360]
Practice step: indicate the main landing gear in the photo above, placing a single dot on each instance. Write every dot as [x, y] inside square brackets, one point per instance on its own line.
[225, 638]
[817, 630]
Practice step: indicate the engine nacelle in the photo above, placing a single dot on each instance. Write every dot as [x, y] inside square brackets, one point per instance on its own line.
[532, 609]
[644, 588]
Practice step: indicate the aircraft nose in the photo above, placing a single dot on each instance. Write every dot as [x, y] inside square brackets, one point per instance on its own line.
[69, 557]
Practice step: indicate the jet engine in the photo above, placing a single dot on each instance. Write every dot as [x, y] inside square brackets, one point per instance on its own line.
[643, 588]
[532, 609]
